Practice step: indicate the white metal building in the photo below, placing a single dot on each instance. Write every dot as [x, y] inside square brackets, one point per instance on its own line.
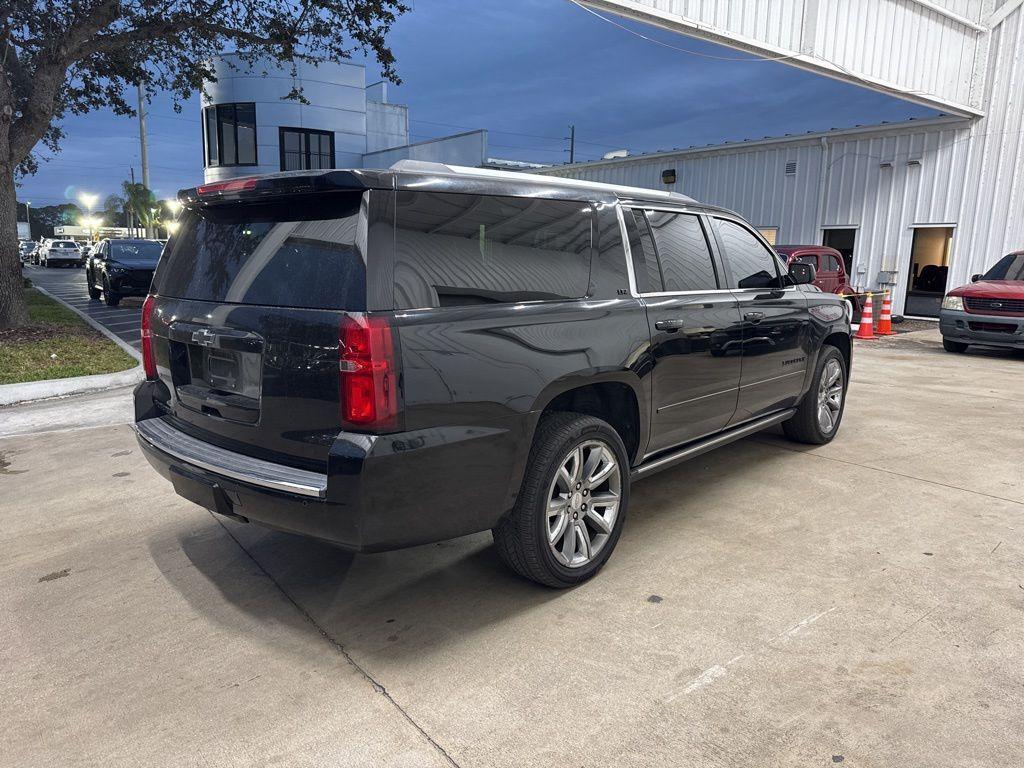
[945, 192]
[250, 127]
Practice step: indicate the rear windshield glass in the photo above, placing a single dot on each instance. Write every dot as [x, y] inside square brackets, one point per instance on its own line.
[296, 253]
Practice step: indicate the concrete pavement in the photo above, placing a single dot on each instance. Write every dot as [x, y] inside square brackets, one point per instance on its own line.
[768, 604]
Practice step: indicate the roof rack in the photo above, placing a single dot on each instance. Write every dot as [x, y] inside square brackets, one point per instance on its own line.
[423, 166]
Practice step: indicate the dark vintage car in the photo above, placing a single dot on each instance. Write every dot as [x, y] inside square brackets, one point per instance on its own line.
[121, 267]
[389, 358]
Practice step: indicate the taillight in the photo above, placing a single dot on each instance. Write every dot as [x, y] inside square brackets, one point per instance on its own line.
[148, 361]
[367, 377]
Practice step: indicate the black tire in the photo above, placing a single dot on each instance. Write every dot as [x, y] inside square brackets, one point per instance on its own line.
[94, 292]
[804, 426]
[953, 346]
[110, 298]
[521, 537]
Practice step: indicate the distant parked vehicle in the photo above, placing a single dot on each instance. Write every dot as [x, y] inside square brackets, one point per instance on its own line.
[121, 267]
[830, 271]
[60, 253]
[989, 311]
[25, 250]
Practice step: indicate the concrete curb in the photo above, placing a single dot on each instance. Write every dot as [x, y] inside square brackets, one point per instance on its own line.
[10, 394]
[102, 329]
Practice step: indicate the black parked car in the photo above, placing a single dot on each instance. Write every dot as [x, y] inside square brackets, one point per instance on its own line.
[121, 267]
[388, 358]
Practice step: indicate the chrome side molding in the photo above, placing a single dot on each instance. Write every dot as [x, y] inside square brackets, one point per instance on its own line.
[649, 467]
[266, 474]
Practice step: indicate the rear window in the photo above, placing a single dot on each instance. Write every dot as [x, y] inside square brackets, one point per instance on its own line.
[457, 250]
[64, 244]
[305, 253]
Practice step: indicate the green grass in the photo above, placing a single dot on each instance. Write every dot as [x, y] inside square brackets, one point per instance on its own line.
[55, 345]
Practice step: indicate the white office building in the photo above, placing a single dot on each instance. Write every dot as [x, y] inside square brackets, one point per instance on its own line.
[250, 127]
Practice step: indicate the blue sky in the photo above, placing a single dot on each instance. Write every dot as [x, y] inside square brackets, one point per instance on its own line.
[525, 70]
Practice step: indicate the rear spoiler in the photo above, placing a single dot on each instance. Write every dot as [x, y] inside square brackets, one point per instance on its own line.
[273, 185]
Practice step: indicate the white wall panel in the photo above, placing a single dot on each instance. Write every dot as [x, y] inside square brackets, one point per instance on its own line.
[920, 49]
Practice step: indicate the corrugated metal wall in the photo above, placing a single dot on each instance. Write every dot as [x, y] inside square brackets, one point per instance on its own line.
[992, 213]
[928, 53]
[883, 182]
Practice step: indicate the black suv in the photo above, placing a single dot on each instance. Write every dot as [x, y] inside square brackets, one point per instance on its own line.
[120, 267]
[388, 358]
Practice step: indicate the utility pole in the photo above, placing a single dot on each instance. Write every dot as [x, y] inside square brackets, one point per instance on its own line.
[143, 149]
[130, 211]
[572, 144]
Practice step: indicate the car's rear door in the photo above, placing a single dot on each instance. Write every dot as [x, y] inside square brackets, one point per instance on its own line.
[696, 336]
[776, 325]
[249, 301]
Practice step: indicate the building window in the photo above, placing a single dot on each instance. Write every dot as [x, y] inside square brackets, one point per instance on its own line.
[230, 134]
[771, 234]
[303, 150]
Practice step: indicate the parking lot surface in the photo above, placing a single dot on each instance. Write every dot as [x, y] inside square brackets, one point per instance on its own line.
[768, 604]
[68, 285]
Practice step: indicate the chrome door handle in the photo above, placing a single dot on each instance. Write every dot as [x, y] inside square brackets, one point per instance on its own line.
[671, 326]
[754, 317]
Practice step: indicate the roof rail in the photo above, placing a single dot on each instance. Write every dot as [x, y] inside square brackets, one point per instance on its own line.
[423, 166]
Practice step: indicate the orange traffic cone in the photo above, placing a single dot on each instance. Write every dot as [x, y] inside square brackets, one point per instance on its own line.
[867, 321]
[885, 319]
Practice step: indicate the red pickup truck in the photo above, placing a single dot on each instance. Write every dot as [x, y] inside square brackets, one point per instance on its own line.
[830, 271]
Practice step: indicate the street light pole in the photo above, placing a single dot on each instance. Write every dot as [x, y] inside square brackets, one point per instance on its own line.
[143, 147]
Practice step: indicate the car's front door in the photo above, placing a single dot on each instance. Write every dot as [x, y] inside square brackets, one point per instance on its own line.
[696, 333]
[776, 325]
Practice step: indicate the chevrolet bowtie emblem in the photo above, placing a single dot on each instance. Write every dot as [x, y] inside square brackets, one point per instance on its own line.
[204, 337]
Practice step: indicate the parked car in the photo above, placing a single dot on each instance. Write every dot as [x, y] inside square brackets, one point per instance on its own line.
[830, 270]
[388, 358]
[989, 311]
[121, 267]
[25, 250]
[60, 253]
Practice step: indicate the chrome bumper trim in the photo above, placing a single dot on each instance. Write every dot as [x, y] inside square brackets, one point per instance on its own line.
[266, 474]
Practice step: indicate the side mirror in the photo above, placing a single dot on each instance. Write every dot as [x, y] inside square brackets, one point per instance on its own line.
[975, 278]
[801, 274]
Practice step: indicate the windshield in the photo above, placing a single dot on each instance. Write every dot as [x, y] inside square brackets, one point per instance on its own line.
[143, 252]
[1007, 268]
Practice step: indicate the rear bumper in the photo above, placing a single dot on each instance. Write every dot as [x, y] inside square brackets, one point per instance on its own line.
[973, 328]
[54, 259]
[378, 492]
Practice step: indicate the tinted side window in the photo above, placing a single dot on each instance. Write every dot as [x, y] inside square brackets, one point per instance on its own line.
[456, 250]
[750, 262]
[655, 282]
[831, 263]
[809, 258]
[683, 252]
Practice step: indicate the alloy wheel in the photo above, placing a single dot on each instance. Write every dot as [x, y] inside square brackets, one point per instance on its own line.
[830, 396]
[583, 503]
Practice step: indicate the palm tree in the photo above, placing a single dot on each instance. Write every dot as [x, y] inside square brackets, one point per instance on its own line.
[141, 204]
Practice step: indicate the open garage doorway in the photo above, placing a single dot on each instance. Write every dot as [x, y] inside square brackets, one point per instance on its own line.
[929, 267]
[842, 239]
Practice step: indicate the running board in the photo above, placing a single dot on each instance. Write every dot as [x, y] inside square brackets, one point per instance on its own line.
[648, 468]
